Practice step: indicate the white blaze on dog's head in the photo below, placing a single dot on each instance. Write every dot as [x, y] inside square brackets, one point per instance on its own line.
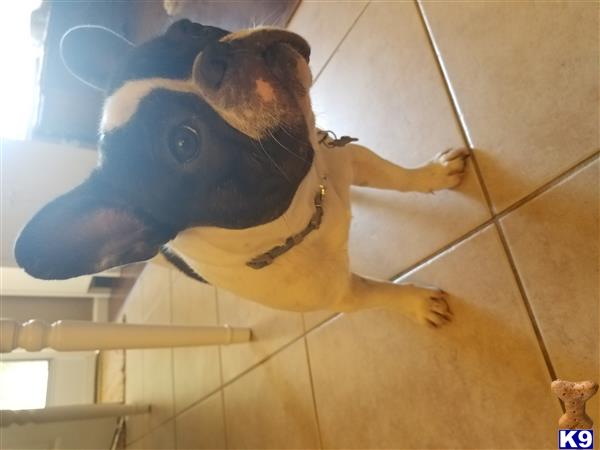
[251, 119]
[122, 105]
[265, 90]
[255, 79]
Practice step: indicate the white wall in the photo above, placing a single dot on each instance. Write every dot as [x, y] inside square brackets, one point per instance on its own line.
[80, 434]
[71, 377]
[33, 173]
[71, 381]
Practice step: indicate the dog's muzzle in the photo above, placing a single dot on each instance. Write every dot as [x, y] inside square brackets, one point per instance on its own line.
[274, 46]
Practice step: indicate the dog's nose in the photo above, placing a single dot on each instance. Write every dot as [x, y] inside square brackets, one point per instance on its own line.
[269, 38]
[214, 62]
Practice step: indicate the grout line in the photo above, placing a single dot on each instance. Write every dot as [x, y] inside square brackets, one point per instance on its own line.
[292, 14]
[528, 307]
[225, 429]
[303, 322]
[550, 184]
[464, 130]
[128, 444]
[440, 65]
[312, 390]
[350, 28]
[174, 401]
[237, 377]
[322, 322]
[495, 217]
[220, 347]
[144, 417]
[262, 361]
[442, 250]
[228, 383]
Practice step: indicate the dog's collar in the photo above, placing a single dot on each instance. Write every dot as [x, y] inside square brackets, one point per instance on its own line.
[268, 257]
[329, 139]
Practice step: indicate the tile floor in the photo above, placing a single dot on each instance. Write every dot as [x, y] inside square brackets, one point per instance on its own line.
[516, 246]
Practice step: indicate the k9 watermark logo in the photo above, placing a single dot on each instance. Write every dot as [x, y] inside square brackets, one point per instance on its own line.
[568, 439]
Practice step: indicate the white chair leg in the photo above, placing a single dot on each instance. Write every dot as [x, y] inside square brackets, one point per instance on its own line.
[71, 335]
[71, 412]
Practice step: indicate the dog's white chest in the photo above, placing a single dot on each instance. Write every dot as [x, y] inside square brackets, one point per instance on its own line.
[310, 275]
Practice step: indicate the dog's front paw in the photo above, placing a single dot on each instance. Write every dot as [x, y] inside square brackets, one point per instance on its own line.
[445, 171]
[430, 307]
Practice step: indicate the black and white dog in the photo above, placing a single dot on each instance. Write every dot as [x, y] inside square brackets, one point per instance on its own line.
[209, 153]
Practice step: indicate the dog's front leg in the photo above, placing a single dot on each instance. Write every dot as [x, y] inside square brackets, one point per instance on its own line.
[424, 305]
[444, 171]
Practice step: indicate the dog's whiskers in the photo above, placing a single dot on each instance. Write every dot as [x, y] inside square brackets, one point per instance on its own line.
[287, 130]
[286, 148]
[273, 160]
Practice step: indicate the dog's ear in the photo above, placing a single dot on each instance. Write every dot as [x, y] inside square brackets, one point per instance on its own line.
[84, 232]
[91, 53]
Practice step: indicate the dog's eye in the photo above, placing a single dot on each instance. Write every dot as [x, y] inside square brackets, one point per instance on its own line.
[184, 143]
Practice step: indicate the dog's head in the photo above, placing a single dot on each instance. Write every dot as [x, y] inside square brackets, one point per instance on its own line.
[200, 127]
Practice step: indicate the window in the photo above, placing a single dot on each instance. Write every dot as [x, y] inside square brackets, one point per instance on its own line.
[23, 384]
[21, 58]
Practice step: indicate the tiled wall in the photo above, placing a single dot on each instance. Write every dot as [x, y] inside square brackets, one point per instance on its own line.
[516, 246]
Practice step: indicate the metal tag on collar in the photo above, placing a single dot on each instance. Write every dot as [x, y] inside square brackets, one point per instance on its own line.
[343, 141]
[334, 141]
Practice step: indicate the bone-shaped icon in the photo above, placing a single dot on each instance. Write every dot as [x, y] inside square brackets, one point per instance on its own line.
[574, 395]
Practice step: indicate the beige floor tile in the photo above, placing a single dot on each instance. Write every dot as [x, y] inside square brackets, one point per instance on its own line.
[312, 319]
[156, 293]
[323, 25]
[149, 375]
[271, 330]
[196, 369]
[162, 438]
[202, 426]
[271, 406]
[158, 376]
[384, 87]
[158, 384]
[526, 79]
[136, 445]
[383, 382]
[137, 425]
[554, 241]
[133, 304]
